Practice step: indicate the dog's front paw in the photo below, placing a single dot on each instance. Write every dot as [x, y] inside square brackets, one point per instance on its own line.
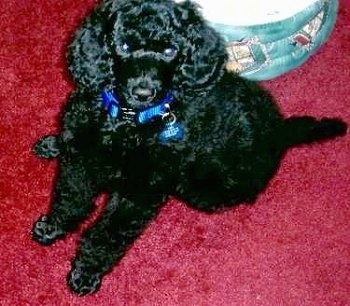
[46, 232]
[46, 147]
[83, 282]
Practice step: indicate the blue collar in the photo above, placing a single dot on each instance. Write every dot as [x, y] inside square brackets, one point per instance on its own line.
[112, 104]
[172, 130]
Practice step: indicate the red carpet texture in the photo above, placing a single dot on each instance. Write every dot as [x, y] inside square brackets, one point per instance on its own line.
[291, 248]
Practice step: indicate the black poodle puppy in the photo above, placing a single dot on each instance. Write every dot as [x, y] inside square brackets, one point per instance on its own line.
[156, 114]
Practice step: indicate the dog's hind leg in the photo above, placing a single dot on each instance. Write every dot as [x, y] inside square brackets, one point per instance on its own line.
[71, 203]
[106, 242]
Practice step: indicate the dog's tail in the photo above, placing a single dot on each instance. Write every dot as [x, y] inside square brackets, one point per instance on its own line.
[304, 130]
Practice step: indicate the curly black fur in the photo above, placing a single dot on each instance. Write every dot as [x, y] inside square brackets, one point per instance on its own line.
[234, 136]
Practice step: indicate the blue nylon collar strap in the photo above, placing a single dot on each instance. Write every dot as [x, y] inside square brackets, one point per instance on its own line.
[155, 111]
[112, 104]
[172, 130]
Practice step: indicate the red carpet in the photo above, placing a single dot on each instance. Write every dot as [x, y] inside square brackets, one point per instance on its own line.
[291, 248]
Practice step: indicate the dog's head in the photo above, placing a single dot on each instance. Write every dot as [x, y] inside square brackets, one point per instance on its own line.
[144, 48]
[145, 44]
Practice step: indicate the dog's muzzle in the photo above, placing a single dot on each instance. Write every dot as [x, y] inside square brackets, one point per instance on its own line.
[142, 90]
[143, 94]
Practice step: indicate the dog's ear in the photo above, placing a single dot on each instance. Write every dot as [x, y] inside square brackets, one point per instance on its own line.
[88, 58]
[204, 54]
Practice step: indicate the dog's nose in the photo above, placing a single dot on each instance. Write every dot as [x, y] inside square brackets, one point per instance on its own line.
[143, 94]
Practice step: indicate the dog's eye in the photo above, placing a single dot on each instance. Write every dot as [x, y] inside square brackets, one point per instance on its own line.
[170, 52]
[124, 47]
